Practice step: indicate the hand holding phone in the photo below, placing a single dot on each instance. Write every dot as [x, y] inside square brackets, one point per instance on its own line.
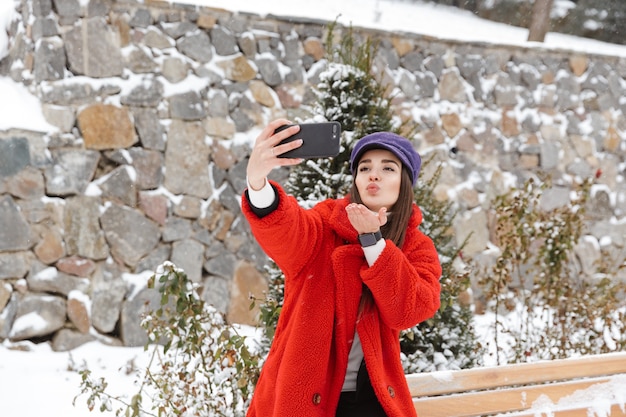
[319, 140]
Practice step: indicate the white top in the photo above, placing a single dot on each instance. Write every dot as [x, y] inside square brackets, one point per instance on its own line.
[264, 198]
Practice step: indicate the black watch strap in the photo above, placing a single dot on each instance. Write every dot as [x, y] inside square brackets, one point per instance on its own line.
[370, 239]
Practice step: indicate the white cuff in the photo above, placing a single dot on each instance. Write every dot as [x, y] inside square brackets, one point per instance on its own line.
[373, 252]
[262, 198]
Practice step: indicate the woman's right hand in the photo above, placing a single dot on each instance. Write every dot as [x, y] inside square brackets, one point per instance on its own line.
[264, 156]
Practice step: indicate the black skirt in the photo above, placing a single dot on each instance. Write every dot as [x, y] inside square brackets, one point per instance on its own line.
[363, 401]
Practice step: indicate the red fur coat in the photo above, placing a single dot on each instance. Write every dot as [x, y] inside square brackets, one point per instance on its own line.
[324, 269]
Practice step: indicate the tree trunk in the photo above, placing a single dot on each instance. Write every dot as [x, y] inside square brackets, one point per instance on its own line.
[540, 20]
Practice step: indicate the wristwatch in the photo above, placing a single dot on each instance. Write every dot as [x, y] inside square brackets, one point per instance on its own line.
[370, 239]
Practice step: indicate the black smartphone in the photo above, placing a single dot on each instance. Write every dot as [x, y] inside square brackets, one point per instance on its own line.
[319, 140]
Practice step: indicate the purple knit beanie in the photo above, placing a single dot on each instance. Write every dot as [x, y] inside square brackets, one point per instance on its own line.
[396, 144]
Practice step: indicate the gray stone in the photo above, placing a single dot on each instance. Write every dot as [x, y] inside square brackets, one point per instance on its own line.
[37, 316]
[596, 83]
[104, 57]
[218, 103]
[427, 83]
[549, 155]
[68, 94]
[14, 265]
[49, 60]
[6, 290]
[452, 88]
[243, 121]
[472, 225]
[130, 234]
[224, 41]
[412, 61]
[196, 46]
[188, 255]
[554, 197]
[187, 106]
[83, 236]
[270, 71]
[206, 72]
[435, 64]
[107, 297]
[141, 18]
[247, 44]
[174, 70]
[14, 155]
[505, 91]
[68, 10]
[568, 91]
[580, 168]
[147, 94]
[600, 205]
[291, 44]
[44, 28]
[41, 8]
[216, 292]
[120, 187]
[148, 166]
[50, 280]
[7, 317]
[155, 258]
[176, 229]
[59, 116]
[71, 171]
[615, 85]
[149, 128]
[178, 29]
[609, 229]
[157, 39]
[297, 73]
[140, 61]
[407, 84]
[222, 265]
[189, 207]
[530, 76]
[98, 8]
[66, 340]
[14, 229]
[140, 302]
[186, 160]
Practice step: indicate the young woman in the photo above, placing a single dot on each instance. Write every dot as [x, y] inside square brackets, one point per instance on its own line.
[357, 271]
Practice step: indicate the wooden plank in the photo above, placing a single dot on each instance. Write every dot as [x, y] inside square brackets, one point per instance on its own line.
[616, 410]
[482, 403]
[445, 382]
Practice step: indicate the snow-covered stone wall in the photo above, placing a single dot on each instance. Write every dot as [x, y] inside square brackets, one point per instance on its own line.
[150, 109]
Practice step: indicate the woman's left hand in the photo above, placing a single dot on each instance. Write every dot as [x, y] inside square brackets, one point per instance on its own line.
[364, 220]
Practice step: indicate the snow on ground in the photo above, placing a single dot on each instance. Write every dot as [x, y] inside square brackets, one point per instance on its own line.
[40, 382]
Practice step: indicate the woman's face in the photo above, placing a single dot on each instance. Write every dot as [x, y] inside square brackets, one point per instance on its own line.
[378, 177]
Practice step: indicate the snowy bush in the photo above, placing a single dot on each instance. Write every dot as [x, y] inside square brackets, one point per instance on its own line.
[199, 367]
[544, 305]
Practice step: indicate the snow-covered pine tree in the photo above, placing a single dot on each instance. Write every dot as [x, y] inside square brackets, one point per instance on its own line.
[350, 94]
[447, 341]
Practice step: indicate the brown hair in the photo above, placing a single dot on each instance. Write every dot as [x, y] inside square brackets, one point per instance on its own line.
[397, 223]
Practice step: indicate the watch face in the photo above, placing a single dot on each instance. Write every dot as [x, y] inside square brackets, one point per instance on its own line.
[369, 239]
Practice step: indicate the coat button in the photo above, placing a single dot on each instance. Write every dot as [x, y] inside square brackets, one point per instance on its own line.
[392, 392]
[317, 399]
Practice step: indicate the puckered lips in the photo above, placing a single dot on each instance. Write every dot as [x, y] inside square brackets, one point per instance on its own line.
[372, 188]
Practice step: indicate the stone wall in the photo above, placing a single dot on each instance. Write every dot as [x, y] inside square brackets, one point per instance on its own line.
[154, 106]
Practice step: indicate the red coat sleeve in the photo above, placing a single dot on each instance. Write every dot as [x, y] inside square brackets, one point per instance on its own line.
[405, 284]
[289, 235]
